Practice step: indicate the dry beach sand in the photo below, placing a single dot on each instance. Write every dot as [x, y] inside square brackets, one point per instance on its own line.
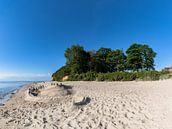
[91, 105]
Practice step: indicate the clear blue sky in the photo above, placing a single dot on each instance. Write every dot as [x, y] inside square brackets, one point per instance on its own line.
[35, 33]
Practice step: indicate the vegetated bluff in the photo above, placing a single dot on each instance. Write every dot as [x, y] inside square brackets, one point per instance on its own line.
[89, 65]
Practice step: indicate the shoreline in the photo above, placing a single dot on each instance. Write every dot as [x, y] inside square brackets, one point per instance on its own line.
[14, 92]
[10, 94]
[90, 105]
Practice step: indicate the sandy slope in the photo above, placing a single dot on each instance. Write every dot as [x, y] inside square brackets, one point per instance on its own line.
[87, 105]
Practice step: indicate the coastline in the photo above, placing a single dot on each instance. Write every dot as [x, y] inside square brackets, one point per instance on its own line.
[11, 93]
[90, 105]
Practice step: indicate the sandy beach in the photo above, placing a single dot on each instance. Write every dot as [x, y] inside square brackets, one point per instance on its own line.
[90, 105]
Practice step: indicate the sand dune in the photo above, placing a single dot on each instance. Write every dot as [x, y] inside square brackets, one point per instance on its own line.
[91, 105]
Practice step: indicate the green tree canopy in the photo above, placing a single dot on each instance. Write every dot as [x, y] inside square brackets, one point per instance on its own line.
[77, 58]
[134, 57]
[102, 60]
[148, 57]
[120, 60]
[105, 60]
[140, 57]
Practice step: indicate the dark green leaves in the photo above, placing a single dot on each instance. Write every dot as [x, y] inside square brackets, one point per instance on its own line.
[140, 57]
[105, 60]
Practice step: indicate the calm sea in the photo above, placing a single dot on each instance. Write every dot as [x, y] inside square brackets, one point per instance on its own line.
[8, 87]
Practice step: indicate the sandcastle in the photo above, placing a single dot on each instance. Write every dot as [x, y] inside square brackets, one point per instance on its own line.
[44, 93]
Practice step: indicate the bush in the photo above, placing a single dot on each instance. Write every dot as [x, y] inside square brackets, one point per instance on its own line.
[165, 75]
[129, 76]
[62, 72]
[148, 75]
[89, 76]
[101, 77]
[115, 76]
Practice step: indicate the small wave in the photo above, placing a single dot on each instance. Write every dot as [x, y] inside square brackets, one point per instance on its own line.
[7, 88]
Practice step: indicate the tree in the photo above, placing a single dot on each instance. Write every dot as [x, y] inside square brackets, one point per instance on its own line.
[92, 61]
[134, 57]
[78, 61]
[101, 60]
[140, 57]
[120, 60]
[77, 58]
[148, 57]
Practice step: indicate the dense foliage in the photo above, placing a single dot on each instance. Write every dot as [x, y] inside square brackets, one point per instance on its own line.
[118, 76]
[77, 59]
[62, 72]
[108, 64]
[140, 57]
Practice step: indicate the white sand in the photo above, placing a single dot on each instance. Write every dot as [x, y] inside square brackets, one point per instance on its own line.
[91, 105]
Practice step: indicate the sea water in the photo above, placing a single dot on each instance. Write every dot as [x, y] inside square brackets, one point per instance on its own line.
[9, 87]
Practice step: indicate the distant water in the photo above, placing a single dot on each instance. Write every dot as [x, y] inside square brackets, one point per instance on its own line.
[8, 87]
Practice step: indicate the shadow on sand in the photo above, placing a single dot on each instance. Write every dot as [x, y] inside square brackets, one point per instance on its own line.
[85, 101]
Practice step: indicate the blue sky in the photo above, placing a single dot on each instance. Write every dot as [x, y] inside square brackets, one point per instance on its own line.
[35, 33]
